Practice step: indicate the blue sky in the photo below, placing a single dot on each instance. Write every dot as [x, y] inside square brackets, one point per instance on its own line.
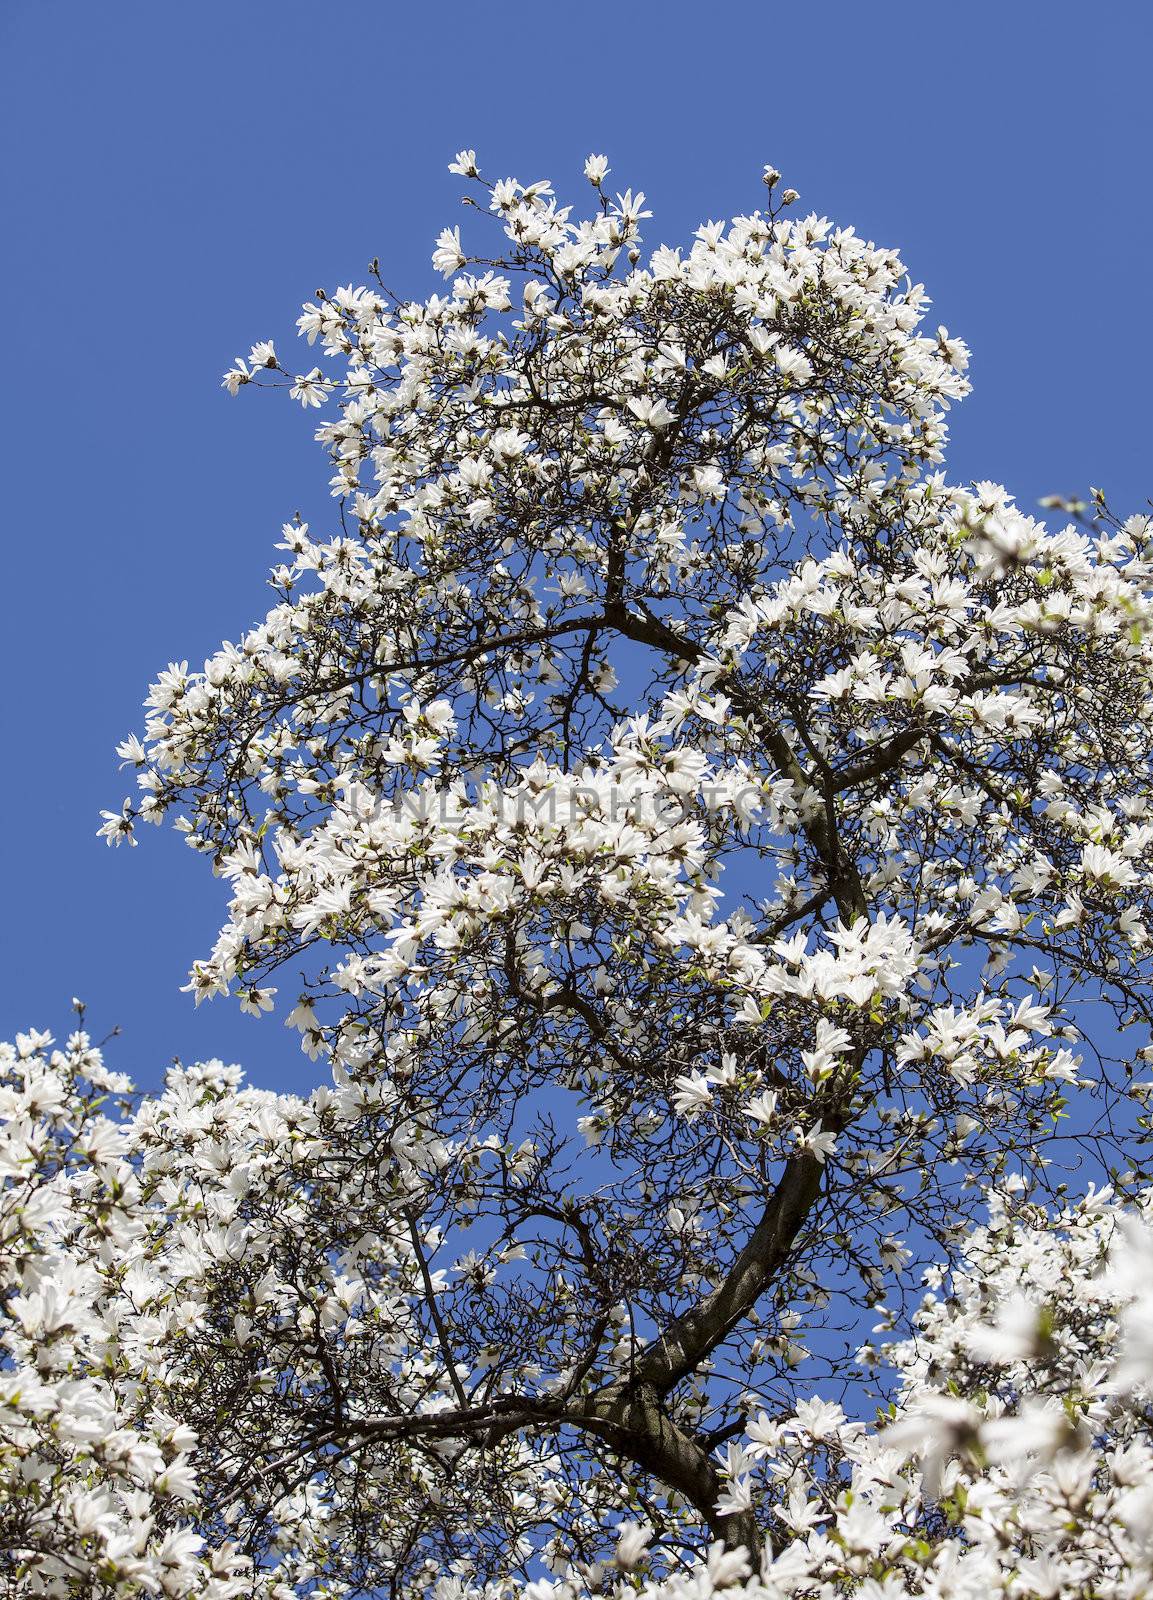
[180, 177]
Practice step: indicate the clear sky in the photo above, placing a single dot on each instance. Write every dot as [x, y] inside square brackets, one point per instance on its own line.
[179, 177]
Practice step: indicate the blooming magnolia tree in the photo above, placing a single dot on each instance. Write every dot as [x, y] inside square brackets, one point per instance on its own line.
[702, 843]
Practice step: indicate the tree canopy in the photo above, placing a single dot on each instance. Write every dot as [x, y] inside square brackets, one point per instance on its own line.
[712, 854]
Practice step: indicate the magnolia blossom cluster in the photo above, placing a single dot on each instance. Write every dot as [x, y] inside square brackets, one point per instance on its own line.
[710, 851]
[98, 1490]
[182, 1276]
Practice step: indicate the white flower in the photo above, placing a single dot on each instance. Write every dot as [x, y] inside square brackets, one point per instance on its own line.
[236, 375]
[448, 257]
[817, 1141]
[1016, 1334]
[311, 389]
[693, 1094]
[762, 1108]
[1109, 870]
[633, 1540]
[653, 413]
[118, 826]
